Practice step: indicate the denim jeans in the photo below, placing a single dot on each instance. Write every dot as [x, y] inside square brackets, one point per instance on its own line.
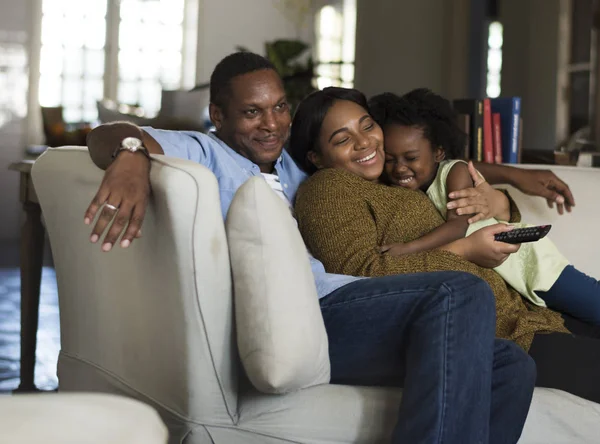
[433, 335]
[576, 294]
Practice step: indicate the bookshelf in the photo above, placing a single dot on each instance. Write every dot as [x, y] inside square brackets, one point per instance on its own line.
[579, 49]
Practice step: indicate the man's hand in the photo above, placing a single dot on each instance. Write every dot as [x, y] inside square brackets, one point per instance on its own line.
[546, 184]
[541, 183]
[124, 193]
[483, 201]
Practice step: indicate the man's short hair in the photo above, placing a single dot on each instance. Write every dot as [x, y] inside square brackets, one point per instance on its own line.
[234, 65]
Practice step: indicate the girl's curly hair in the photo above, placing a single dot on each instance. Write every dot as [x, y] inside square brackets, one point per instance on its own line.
[421, 108]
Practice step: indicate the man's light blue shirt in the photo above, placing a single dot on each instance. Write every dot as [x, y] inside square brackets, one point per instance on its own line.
[232, 170]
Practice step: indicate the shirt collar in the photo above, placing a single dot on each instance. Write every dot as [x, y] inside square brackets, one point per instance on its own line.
[241, 160]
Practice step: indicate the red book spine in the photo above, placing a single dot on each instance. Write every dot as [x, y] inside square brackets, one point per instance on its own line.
[488, 144]
[497, 132]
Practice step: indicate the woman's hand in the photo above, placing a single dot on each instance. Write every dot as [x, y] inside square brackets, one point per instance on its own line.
[483, 201]
[482, 249]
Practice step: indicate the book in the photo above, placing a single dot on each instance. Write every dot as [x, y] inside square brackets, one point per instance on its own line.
[520, 145]
[463, 121]
[509, 109]
[488, 144]
[497, 137]
[474, 108]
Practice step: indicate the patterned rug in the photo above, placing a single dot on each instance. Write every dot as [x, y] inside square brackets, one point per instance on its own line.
[48, 337]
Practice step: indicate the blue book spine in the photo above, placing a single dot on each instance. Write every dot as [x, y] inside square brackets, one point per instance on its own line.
[509, 109]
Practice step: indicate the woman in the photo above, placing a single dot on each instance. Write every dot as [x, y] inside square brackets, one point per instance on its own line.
[346, 215]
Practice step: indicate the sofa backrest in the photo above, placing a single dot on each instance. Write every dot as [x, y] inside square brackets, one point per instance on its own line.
[154, 320]
[576, 234]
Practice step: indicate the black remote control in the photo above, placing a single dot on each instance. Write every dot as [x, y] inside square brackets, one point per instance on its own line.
[522, 235]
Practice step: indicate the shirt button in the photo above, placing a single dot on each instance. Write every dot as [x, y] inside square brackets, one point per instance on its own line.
[285, 185]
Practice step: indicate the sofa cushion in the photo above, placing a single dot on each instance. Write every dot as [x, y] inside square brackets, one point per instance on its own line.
[281, 336]
[83, 418]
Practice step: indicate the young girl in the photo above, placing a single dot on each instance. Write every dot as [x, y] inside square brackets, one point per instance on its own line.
[421, 136]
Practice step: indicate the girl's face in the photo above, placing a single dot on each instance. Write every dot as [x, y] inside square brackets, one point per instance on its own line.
[410, 160]
[350, 140]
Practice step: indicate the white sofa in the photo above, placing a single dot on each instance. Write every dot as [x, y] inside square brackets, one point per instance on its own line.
[78, 418]
[155, 321]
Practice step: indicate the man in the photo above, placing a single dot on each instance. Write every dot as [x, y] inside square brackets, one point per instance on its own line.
[433, 335]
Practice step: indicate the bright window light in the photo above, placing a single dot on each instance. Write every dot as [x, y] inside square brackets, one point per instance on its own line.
[149, 54]
[494, 60]
[13, 78]
[72, 57]
[154, 63]
[336, 31]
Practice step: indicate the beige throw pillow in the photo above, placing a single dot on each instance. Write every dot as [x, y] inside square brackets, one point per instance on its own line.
[281, 337]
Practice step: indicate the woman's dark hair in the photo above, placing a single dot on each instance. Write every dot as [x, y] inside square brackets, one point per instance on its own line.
[423, 109]
[308, 119]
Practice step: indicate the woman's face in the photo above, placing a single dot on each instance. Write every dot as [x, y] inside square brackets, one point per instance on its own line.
[410, 160]
[350, 140]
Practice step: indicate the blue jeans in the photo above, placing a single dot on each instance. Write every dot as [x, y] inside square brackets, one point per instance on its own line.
[432, 334]
[576, 294]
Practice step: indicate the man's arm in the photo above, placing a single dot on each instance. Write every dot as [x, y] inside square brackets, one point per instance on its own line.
[496, 174]
[123, 194]
[104, 139]
[543, 183]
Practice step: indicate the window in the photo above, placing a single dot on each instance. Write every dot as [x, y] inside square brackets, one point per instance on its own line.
[494, 59]
[13, 76]
[124, 50]
[150, 51]
[336, 33]
[72, 57]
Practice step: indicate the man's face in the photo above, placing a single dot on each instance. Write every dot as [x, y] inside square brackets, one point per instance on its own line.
[255, 121]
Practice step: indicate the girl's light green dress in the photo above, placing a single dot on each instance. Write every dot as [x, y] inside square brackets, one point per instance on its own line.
[535, 267]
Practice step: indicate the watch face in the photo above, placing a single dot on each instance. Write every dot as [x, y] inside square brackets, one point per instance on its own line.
[131, 143]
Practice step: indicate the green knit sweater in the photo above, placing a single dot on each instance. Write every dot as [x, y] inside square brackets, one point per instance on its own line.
[344, 219]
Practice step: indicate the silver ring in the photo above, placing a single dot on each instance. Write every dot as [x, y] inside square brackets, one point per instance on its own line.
[111, 207]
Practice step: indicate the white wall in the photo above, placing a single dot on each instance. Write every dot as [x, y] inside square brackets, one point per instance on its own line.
[13, 28]
[224, 24]
[406, 44]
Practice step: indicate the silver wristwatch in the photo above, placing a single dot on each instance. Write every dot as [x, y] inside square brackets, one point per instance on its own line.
[133, 145]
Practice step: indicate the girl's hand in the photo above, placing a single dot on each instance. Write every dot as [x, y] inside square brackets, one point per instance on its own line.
[397, 249]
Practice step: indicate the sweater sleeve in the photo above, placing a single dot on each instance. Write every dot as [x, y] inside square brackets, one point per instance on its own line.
[339, 229]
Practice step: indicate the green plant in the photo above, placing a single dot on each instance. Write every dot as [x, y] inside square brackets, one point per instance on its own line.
[294, 65]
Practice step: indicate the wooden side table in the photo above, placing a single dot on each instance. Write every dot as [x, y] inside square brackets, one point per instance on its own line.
[32, 252]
